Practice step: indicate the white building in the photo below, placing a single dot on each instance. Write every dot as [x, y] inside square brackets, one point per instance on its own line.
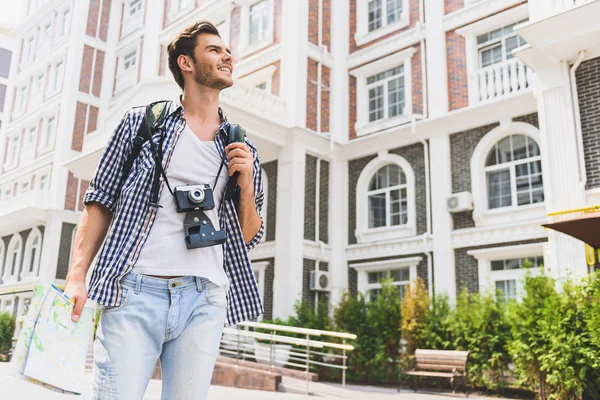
[407, 139]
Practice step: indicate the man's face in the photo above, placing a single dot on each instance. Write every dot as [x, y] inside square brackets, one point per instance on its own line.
[214, 64]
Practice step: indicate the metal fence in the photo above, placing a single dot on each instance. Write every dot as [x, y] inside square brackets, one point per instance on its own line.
[261, 342]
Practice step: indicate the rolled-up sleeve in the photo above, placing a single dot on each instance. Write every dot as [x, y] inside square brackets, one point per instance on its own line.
[259, 198]
[105, 185]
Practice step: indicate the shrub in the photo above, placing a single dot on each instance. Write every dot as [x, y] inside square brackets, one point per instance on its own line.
[7, 330]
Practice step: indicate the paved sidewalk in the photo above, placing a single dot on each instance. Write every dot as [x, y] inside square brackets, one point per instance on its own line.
[12, 388]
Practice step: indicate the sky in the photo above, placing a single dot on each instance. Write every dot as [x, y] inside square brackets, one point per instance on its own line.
[11, 11]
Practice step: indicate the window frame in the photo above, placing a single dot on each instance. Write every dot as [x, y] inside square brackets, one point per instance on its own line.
[43, 145]
[363, 233]
[174, 12]
[363, 35]
[27, 258]
[12, 153]
[127, 77]
[263, 75]
[488, 278]
[131, 22]
[65, 16]
[362, 125]
[387, 191]
[482, 214]
[363, 269]
[17, 242]
[245, 46]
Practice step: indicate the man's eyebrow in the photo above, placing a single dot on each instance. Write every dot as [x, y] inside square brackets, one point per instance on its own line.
[214, 46]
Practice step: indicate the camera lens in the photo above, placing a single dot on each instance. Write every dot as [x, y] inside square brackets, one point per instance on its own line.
[196, 195]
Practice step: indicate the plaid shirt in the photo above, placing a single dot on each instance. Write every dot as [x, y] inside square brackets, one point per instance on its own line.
[133, 217]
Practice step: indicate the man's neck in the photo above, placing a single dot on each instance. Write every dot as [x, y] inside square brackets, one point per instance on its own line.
[201, 105]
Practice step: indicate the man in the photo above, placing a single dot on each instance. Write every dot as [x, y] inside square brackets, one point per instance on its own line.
[160, 299]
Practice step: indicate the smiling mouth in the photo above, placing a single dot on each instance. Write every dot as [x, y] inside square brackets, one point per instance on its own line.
[225, 69]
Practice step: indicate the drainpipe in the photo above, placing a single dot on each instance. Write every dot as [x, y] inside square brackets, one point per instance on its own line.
[427, 235]
[577, 118]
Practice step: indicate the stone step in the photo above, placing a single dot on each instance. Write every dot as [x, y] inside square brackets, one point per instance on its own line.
[231, 375]
[292, 373]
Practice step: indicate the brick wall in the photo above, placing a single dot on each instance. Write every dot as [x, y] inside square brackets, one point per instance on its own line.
[103, 30]
[417, 81]
[71, 196]
[163, 66]
[414, 156]
[453, 5]
[92, 22]
[83, 186]
[98, 68]
[98, 18]
[310, 192]
[462, 145]
[270, 169]
[269, 278]
[276, 79]
[313, 23]
[352, 107]
[324, 202]
[86, 118]
[467, 270]
[413, 15]
[458, 94]
[309, 295]
[91, 78]
[311, 94]
[588, 89]
[64, 250]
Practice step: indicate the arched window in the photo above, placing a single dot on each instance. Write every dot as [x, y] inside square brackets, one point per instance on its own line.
[385, 199]
[388, 197]
[2, 254]
[13, 256]
[32, 253]
[513, 169]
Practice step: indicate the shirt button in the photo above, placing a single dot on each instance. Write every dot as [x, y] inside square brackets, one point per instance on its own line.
[173, 284]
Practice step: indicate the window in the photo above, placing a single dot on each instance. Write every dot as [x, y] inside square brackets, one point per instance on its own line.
[400, 278]
[22, 97]
[223, 29]
[7, 194]
[135, 7]
[24, 187]
[5, 57]
[43, 182]
[1, 254]
[13, 256]
[58, 76]
[262, 86]
[31, 136]
[13, 150]
[496, 46]
[385, 199]
[388, 203]
[502, 270]
[46, 33]
[32, 253]
[177, 6]
[259, 22]
[130, 60]
[2, 97]
[28, 50]
[386, 94]
[65, 21]
[514, 173]
[384, 12]
[49, 133]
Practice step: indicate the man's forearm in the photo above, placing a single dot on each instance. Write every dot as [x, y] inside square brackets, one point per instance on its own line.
[250, 221]
[91, 232]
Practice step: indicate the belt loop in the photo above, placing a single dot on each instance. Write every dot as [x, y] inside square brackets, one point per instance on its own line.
[138, 283]
[199, 285]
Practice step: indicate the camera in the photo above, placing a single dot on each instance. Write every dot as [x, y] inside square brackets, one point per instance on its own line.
[194, 197]
[199, 229]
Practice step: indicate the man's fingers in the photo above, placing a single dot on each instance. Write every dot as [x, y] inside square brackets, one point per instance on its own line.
[79, 303]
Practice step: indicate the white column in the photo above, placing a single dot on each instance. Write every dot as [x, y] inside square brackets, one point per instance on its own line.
[150, 47]
[50, 248]
[560, 166]
[287, 286]
[338, 118]
[338, 229]
[441, 187]
[435, 57]
[294, 59]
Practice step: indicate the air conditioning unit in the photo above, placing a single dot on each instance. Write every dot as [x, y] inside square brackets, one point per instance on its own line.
[459, 202]
[319, 280]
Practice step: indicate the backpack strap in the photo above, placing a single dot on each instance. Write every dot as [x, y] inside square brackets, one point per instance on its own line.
[154, 117]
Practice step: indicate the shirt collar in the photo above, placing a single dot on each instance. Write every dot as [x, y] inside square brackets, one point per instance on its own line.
[176, 106]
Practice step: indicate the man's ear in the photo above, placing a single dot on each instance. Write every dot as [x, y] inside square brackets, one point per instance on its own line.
[184, 62]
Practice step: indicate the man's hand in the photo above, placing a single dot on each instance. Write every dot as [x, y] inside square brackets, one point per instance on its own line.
[241, 160]
[76, 290]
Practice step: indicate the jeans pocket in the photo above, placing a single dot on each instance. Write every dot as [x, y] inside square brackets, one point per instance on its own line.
[125, 297]
[216, 295]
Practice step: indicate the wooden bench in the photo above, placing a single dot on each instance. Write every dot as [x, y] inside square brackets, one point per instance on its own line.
[449, 364]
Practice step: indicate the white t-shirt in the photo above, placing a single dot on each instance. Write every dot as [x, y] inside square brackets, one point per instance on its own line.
[193, 162]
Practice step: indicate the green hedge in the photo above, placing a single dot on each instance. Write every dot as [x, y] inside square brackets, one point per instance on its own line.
[548, 342]
[7, 330]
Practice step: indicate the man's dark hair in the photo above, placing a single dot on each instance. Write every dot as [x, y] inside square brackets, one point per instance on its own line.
[185, 43]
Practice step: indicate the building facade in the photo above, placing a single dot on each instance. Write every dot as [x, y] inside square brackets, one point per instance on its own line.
[407, 139]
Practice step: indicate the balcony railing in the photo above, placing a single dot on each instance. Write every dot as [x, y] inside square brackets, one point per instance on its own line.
[255, 100]
[546, 8]
[503, 79]
[31, 199]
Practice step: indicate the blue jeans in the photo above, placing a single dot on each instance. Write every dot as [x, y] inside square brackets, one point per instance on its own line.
[179, 320]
